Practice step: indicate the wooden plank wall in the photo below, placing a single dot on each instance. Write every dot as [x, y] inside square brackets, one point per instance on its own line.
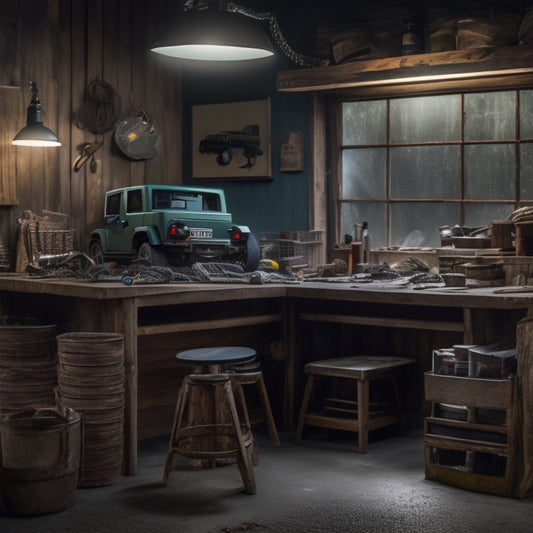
[62, 46]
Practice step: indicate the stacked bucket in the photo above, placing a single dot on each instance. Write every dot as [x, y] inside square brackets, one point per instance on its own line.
[91, 381]
[28, 366]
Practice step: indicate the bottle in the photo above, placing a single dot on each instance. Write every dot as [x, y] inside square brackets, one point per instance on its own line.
[411, 38]
[365, 238]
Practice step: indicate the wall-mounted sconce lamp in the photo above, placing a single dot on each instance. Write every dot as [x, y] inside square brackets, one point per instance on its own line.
[217, 30]
[35, 133]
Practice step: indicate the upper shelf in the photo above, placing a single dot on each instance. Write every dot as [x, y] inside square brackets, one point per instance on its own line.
[469, 69]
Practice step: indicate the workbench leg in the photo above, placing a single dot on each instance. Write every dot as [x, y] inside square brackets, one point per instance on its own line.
[128, 320]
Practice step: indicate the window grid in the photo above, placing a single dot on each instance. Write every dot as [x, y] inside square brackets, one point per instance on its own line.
[462, 200]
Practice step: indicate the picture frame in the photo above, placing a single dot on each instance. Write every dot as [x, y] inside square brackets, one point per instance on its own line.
[231, 141]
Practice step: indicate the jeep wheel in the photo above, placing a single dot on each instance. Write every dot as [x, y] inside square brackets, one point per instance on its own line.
[252, 254]
[152, 255]
[96, 252]
[224, 158]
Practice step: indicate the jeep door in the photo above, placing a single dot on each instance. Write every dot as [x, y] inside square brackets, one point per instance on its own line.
[119, 228]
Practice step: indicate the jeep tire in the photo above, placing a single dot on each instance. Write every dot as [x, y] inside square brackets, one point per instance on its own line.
[96, 252]
[224, 157]
[152, 255]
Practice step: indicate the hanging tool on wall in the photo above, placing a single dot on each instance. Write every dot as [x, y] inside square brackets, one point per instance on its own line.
[136, 136]
[98, 113]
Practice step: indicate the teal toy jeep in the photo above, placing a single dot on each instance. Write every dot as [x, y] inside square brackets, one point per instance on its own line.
[169, 225]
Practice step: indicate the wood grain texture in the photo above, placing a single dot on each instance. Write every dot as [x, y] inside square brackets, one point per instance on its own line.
[62, 46]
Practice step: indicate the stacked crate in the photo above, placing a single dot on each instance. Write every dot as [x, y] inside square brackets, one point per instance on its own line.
[471, 437]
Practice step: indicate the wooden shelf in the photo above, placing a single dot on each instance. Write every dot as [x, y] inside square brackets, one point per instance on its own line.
[451, 71]
[202, 325]
[389, 322]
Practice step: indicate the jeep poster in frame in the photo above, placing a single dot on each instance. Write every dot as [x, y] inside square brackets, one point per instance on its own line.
[231, 141]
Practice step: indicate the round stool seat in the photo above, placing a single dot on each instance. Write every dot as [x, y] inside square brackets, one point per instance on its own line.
[217, 355]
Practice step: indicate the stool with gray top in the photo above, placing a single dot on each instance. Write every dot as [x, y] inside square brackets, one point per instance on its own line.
[349, 415]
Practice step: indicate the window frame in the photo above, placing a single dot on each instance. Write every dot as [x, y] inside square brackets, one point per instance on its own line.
[337, 148]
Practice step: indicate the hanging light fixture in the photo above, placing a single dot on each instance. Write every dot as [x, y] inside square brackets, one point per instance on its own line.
[217, 30]
[35, 133]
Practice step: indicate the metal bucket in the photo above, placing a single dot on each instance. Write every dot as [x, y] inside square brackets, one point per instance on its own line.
[39, 460]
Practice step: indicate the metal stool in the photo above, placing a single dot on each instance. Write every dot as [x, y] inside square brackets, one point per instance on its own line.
[349, 415]
[207, 425]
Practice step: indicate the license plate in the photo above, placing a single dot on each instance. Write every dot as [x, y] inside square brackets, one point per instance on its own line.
[201, 233]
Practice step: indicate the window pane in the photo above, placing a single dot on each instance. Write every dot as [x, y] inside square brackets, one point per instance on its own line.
[526, 114]
[371, 212]
[363, 173]
[526, 171]
[425, 119]
[490, 116]
[420, 222]
[479, 215]
[364, 122]
[489, 171]
[425, 171]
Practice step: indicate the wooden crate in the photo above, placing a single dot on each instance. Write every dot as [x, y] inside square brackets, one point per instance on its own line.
[477, 453]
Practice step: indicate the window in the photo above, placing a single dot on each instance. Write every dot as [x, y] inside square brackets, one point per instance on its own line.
[411, 165]
[112, 206]
[135, 201]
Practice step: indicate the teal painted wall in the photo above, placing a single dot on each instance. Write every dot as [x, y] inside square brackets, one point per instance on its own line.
[265, 206]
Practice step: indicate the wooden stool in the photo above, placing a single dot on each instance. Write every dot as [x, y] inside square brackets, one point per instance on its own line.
[358, 416]
[207, 425]
[251, 374]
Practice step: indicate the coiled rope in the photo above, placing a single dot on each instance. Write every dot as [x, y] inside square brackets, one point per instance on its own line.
[100, 111]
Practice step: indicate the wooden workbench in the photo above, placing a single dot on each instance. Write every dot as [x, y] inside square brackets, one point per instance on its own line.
[170, 311]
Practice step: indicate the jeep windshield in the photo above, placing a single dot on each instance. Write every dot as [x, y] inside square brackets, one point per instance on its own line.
[185, 200]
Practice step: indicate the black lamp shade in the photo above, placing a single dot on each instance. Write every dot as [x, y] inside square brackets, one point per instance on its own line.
[35, 133]
[214, 35]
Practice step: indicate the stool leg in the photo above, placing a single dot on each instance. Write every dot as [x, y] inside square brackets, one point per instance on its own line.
[303, 408]
[363, 401]
[271, 425]
[244, 461]
[238, 392]
[178, 415]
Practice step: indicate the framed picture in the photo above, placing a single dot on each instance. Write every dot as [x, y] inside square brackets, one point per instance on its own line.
[231, 141]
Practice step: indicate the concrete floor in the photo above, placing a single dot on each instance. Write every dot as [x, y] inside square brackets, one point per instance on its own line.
[320, 485]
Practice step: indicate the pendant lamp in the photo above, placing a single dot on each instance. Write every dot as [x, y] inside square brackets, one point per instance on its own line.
[217, 30]
[35, 133]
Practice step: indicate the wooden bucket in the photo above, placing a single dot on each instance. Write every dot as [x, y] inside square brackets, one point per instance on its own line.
[19, 342]
[91, 380]
[40, 453]
[90, 349]
[28, 366]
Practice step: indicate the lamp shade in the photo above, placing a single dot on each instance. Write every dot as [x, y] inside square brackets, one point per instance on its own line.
[213, 35]
[35, 133]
